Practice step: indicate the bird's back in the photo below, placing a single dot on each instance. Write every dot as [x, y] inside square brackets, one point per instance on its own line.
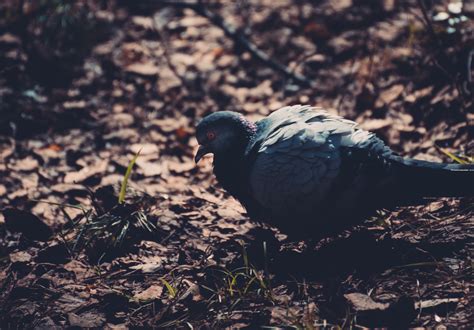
[312, 171]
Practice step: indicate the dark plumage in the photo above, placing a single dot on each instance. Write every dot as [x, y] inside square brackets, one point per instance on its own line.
[309, 172]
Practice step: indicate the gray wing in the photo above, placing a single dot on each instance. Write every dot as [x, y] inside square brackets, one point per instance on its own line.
[299, 158]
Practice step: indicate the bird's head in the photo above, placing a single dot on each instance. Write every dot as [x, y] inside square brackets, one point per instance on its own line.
[223, 133]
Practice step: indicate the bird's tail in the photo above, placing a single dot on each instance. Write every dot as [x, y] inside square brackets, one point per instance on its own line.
[428, 179]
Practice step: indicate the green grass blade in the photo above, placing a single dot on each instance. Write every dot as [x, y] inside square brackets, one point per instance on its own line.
[452, 156]
[123, 188]
[169, 287]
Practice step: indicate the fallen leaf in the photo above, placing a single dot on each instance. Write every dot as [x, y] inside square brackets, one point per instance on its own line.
[126, 134]
[389, 95]
[375, 124]
[362, 302]
[149, 264]
[193, 291]
[413, 97]
[26, 164]
[86, 320]
[168, 80]
[121, 120]
[143, 21]
[435, 302]
[193, 21]
[148, 168]
[20, 256]
[317, 30]
[66, 187]
[74, 104]
[86, 172]
[151, 293]
[8, 38]
[144, 69]
[181, 167]
[79, 269]
[30, 181]
[144, 148]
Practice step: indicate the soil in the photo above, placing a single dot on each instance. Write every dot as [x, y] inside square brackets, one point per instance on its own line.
[85, 86]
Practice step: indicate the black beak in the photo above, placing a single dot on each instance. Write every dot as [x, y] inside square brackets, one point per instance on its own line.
[200, 153]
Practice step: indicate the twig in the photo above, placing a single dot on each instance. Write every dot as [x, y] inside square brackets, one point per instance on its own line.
[435, 37]
[165, 42]
[427, 20]
[469, 65]
[231, 32]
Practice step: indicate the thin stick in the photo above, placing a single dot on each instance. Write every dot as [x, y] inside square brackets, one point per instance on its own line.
[428, 23]
[240, 39]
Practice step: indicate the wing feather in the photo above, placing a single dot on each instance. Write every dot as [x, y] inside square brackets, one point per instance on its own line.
[297, 157]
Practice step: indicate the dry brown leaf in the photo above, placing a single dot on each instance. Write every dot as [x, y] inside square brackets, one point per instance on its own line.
[413, 97]
[281, 315]
[121, 120]
[145, 69]
[3, 190]
[86, 172]
[151, 293]
[18, 194]
[20, 256]
[30, 181]
[8, 38]
[74, 104]
[341, 4]
[65, 187]
[144, 148]
[26, 164]
[179, 168]
[229, 213]
[389, 95]
[79, 269]
[111, 179]
[435, 302]
[149, 264]
[143, 21]
[193, 290]
[193, 21]
[317, 30]
[168, 80]
[375, 124]
[90, 319]
[169, 125]
[148, 168]
[362, 302]
[126, 134]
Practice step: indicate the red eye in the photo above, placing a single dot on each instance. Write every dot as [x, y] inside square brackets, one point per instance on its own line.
[210, 135]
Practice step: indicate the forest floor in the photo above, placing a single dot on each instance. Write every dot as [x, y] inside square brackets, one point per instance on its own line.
[85, 89]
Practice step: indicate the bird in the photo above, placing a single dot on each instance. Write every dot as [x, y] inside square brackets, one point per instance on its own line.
[311, 173]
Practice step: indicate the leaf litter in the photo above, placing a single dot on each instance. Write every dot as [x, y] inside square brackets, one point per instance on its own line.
[179, 251]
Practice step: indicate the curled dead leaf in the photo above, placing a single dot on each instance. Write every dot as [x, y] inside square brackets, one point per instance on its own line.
[26, 164]
[86, 172]
[389, 95]
[144, 69]
[151, 293]
[362, 302]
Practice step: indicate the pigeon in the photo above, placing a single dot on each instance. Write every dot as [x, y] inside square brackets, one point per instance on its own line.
[309, 172]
